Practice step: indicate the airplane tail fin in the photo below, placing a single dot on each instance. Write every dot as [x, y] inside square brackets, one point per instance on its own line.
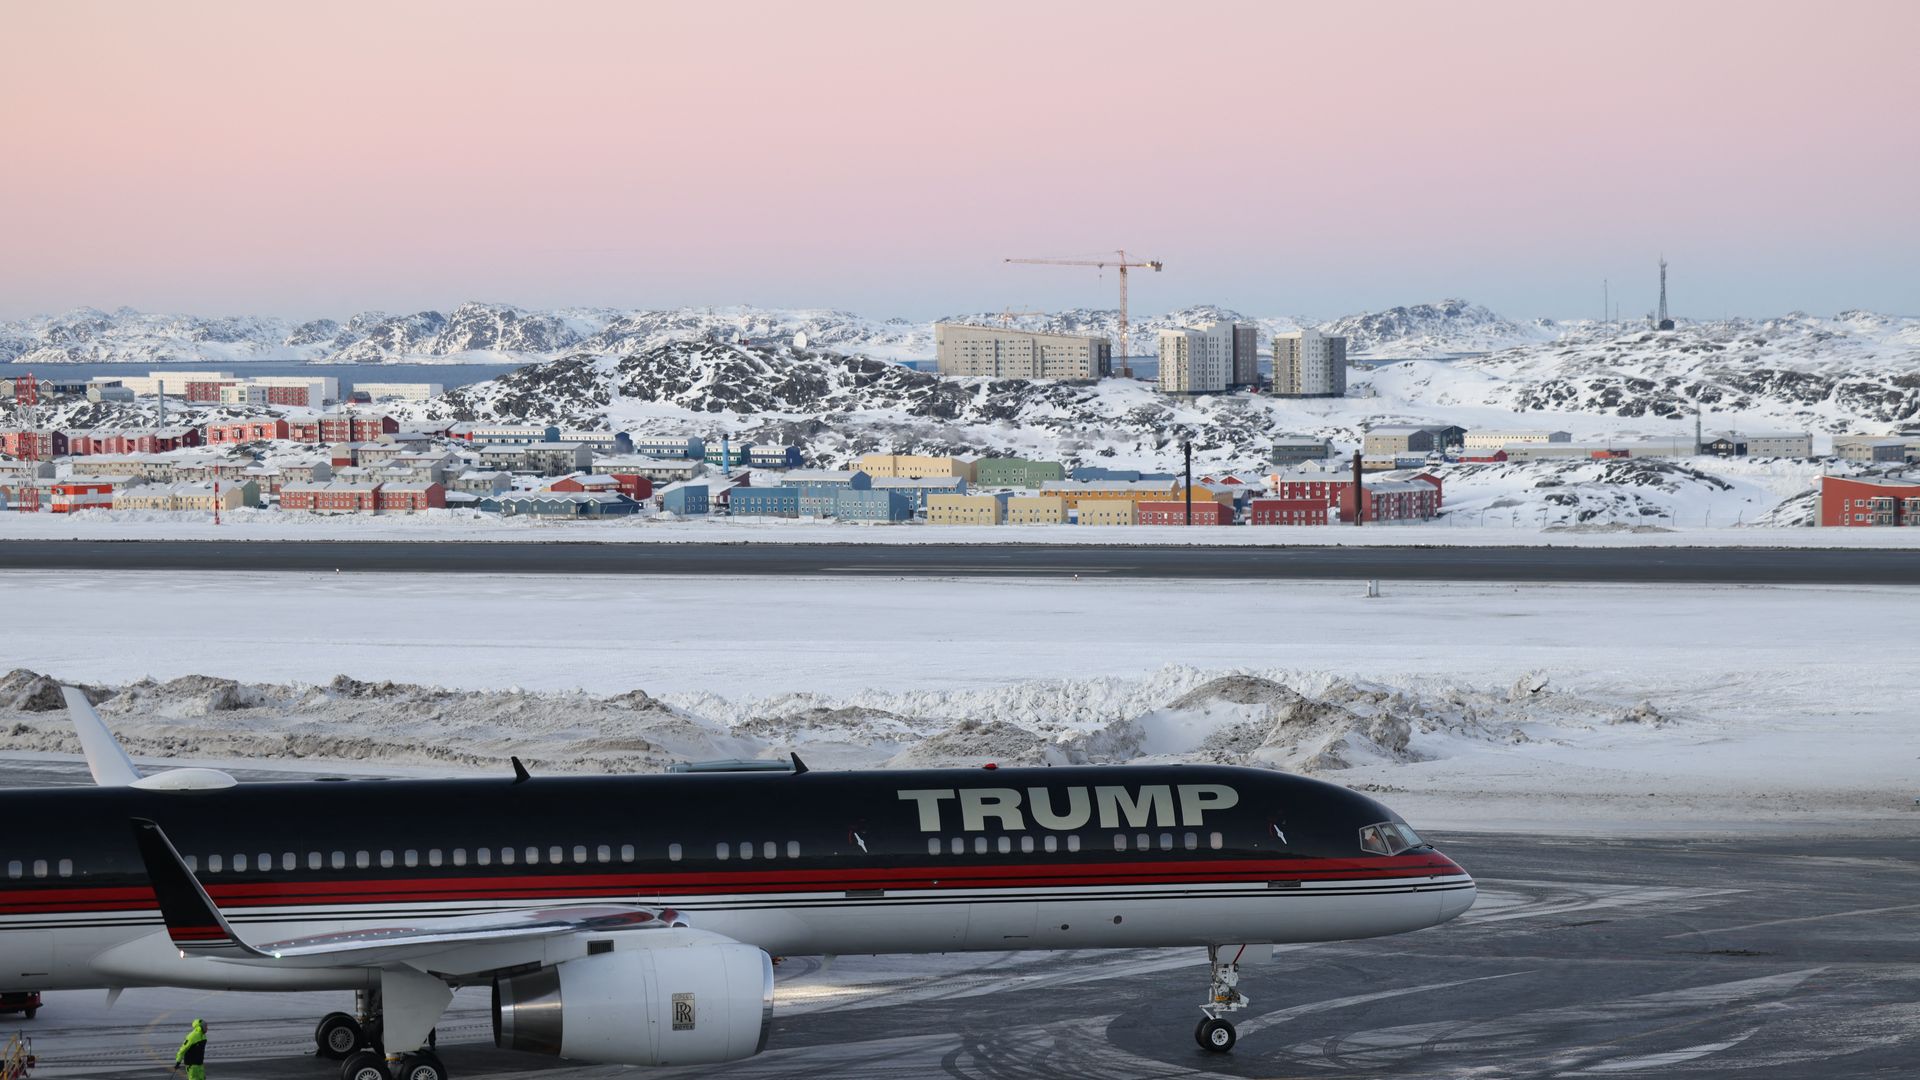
[193, 922]
[109, 763]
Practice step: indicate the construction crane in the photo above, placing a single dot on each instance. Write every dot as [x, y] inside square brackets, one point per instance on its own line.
[1121, 263]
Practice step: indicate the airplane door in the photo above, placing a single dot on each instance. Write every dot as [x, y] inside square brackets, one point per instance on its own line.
[1001, 926]
[26, 954]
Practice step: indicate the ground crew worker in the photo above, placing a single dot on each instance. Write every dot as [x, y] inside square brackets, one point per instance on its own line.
[193, 1052]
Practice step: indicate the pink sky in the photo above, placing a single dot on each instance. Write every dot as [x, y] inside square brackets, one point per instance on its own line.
[315, 159]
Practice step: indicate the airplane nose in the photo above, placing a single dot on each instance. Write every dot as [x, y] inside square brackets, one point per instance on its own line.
[1454, 902]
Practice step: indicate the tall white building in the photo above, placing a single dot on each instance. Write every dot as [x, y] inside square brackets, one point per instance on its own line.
[1207, 359]
[1308, 363]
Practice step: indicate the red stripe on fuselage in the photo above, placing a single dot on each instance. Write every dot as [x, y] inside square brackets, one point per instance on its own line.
[237, 895]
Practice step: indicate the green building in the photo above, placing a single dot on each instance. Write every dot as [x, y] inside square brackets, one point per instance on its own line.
[1015, 472]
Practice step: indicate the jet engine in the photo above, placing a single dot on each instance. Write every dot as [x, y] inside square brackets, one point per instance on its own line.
[674, 997]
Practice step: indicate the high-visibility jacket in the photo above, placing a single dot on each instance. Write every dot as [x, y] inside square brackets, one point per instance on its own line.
[194, 1050]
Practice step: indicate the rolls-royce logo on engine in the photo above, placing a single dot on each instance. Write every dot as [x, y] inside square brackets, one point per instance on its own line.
[683, 1012]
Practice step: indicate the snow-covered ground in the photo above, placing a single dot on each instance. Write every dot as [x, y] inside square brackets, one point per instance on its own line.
[1557, 708]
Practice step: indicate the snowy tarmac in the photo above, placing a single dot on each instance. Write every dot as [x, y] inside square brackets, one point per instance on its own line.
[1584, 957]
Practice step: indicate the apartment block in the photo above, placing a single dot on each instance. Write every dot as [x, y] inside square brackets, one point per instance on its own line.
[989, 352]
[1307, 363]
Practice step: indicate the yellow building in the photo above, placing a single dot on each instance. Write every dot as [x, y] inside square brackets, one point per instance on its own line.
[915, 466]
[1108, 512]
[1079, 493]
[966, 510]
[1201, 494]
[1036, 510]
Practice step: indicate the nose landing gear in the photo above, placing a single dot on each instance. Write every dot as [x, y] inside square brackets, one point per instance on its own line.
[1214, 1034]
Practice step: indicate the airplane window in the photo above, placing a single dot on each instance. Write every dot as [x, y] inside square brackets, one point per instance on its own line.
[459, 856]
[1026, 845]
[410, 857]
[770, 849]
[64, 868]
[362, 860]
[1389, 838]
[315, 861]
[722, 851]
[556, 855]
[433, 856]
[1216, 841]
[1006, 844]
[193, 863]
[746, 850]
[579, 853]
[959, 845]
[1120, 841]
[239, 863]
[933, 845]
[603, 853]
[264, 862]
[626, 852]
[1051, 843]
[793, 849]
[506, 856]
[533, 856]
[1191, 841]
[39, 868]
[1166, 841]
[979, 845]
[386, 860]
[339, 860]
[1073, 843]
[673, 853]
[289, 861]
[213, 864]
[14, 869]
[1145, 842]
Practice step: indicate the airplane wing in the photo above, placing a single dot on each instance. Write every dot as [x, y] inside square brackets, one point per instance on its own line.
[197, 928]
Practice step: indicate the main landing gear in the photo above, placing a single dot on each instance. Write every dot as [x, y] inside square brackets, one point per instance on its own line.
[1215, 1034]
[355, 1042]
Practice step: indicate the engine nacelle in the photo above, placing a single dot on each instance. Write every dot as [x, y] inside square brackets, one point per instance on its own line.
[661, 997]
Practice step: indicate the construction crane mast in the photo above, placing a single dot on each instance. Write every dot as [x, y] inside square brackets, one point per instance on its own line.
[1121, 263]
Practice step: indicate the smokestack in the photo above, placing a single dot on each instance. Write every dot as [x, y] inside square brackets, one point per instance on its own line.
[1189, 449]
[1359, 492]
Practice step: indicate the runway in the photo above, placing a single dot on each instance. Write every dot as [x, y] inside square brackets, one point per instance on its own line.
[1584, 957]
[1782, 566]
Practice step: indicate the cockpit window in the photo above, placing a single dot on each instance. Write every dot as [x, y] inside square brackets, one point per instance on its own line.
[1389, 838]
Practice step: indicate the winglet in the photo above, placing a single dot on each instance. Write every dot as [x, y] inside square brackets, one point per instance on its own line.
[520, 773]
[110, 765]
[798, 765]
[195, 925]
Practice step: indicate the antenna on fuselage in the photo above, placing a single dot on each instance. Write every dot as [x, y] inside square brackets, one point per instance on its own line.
[520, 773]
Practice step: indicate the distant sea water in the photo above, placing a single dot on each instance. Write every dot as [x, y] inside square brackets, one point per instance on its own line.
[447, 375]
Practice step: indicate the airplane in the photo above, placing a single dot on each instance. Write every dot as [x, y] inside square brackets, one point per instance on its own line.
[633, 919]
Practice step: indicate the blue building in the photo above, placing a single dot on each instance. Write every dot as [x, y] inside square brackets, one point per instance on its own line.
[727, 454]
[872, 505]
[566, 504]
[691, 447]
[828, 478]
[1131, 476]
[917, 490]
[817, 502]
[773, 456]
[685, 499]
[764, 502]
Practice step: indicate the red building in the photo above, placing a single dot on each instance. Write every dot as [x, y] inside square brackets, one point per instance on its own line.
[1288, 512]
[84, 443]
[84, 494]
[406, 498]
[340, 428]
[1869, 500]
[1439, 493]
[1393, 500]
[33, 445]
[252, 430]
[209, 389]
[637, 488]
[1205, 512]
[1483, 456]
[333, 498]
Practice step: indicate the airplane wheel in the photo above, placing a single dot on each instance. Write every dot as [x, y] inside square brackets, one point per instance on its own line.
[1216, 1036]
[32, 1011]
[421, 1065]
[364, 1065]
[337, 1036]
